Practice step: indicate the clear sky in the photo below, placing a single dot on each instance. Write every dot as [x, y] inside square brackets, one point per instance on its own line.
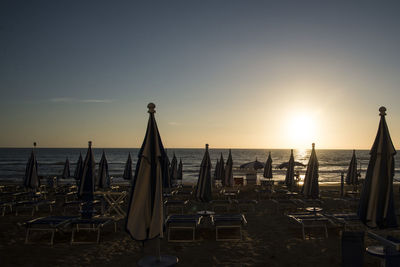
[234, 74]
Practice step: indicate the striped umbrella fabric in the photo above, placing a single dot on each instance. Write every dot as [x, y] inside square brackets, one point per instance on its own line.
[66, 172]
[268, 167]
[203, 189]
[174, 170]
[104, 181]
[31, 178]
[221, 170]
[180, 170]
[228, 170]
[289, 179]
[78, 168]
[352, 174]
[310, 187]
[88, 178]
[128, 169]
[145, 211]
[376, 208]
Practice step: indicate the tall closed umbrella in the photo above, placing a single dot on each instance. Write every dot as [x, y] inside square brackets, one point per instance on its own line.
[87, 182]
[203, 189]
[166, 177]
[376, 207]
[221, 170]
[174, 170]
[66, 172]
[352, 174]
[310, 187]
[103, 176]
[228, 170]
[289, 179]
[31, 178]
[268, 167]
[180, 171]
[145, 218]
[78, 168]
[128, 169]
[216, 171]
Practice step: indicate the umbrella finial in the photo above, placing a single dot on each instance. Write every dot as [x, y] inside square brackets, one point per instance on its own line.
[151, 107]
[90, 144]
[34, 144]
[382, 111]
[313, 145]
[206, 146]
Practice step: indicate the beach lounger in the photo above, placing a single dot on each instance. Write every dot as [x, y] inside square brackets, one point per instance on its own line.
[33, 205]
[182, 223]
[345, 220]
[175, 205]
[390, 250]
[95, 224]
[310, 220]
[51, 224]
[225, 224]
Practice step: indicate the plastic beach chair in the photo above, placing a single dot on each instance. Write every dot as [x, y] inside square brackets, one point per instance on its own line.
[94, 224]
[50, 223]
[310, 220]
[182, 222]
[228, 222]
[352, 249]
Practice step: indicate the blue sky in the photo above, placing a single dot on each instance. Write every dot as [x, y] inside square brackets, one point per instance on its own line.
[250, 74]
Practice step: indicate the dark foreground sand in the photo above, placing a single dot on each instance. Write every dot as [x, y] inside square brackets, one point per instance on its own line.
[270, 239]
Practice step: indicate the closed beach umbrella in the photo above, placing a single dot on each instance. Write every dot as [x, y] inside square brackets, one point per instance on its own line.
[166, 177]
[66, 172]
[254, 165]
[221, 170]
[174, 170]
[352, 174]
[289, 179]
[128, 169]
[78, 168]
[87, 183]
[203, 189]
[228, 170]
[145, 218]
[376, 207]
[216, 171]
[268, 167]
[103, 176]
[180, 170]
[310, 187]
[31, 178]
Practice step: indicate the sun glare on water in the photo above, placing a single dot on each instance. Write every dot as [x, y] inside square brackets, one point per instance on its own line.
[301, 130]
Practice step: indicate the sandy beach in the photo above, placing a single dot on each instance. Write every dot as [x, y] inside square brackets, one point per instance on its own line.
[270, 238]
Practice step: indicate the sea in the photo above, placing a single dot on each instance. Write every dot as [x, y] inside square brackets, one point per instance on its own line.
[51, 161]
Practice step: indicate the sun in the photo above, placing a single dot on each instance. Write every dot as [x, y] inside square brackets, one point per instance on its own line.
[301, 130]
